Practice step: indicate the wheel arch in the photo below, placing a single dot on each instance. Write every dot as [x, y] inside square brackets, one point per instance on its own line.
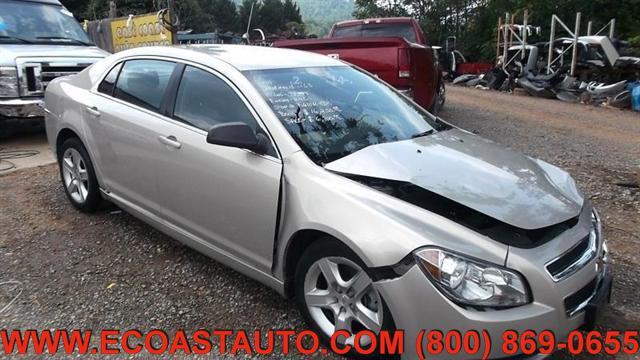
[66, 133]
[63, 135]
[296, 246]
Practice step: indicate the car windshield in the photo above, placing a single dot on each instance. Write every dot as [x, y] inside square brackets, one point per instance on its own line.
[377, 30]
[335, 111]
[23, 22]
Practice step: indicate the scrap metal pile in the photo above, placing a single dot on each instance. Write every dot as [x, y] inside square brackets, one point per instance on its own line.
[586, 69]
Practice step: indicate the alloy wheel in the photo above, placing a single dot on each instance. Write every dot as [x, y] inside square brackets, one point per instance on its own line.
[75, 175]
[339, 296]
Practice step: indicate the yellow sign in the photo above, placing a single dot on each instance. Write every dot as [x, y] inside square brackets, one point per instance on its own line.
[138, 31]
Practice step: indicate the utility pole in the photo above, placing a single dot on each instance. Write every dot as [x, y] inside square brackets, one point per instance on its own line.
[171, 8]
[249, 22]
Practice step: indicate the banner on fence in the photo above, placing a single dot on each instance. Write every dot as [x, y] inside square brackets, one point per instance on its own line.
[138, 31]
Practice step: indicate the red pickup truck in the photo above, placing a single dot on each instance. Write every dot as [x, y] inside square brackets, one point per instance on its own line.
[394, 49]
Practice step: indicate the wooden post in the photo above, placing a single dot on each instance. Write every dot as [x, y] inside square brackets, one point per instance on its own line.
[498, 39]
[171, 8]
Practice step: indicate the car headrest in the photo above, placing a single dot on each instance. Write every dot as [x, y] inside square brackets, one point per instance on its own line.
[147, 79]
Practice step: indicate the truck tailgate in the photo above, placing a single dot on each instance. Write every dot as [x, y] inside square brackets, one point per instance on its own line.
[376, 55]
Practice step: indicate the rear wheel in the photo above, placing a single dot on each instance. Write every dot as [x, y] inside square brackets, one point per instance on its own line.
[335, 292]
[78, 176]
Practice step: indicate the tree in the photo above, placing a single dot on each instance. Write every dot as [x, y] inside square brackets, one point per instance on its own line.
[224, 14]
[291, 12]
[271, 15]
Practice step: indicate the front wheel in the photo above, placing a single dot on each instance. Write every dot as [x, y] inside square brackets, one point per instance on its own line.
[335, 292]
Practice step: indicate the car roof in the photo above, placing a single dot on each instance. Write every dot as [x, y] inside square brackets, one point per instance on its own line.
[399, 20]
[51, 2]
[242, 57]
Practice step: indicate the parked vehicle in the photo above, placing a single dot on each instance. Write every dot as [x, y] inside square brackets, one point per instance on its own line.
[39, 41]
[454, 64]
[326, 184]
[394, 49]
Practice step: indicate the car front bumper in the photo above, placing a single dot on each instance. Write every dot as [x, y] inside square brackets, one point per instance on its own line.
[21, 114]
[417, 305]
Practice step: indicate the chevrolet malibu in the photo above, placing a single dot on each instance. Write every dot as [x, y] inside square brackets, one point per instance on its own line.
[328, 185]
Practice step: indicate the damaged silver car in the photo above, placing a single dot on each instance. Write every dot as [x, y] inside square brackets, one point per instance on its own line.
[328, 185]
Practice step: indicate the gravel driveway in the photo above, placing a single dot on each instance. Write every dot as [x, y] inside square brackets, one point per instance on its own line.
[109, 270]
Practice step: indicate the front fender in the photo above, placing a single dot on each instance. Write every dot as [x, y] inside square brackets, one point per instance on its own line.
[380, 229]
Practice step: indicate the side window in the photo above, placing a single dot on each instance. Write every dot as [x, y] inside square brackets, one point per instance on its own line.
[106, 86]
[143, 82]
[204, 100]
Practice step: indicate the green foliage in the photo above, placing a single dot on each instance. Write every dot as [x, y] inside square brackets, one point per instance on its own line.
[474, 22]
[320, 15]
[203, 15]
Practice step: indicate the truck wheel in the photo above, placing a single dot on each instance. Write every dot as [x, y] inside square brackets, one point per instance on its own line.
[441, 96]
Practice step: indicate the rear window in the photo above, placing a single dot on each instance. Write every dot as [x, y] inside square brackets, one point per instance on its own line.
[377, 30]
[143, 82]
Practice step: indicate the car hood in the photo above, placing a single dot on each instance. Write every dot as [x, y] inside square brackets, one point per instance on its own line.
[475, 172]
[9, 52]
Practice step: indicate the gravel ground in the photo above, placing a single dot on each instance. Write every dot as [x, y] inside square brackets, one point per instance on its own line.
[110, 271]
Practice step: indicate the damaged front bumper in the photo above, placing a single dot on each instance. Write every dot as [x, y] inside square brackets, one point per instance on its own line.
[417, 305]
[21, 114]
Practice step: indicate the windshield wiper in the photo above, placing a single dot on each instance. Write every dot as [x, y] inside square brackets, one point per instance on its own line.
[9, 37]
[424, 133]
[65, 39]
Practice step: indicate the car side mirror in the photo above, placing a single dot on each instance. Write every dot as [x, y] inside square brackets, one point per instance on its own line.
[239, 135]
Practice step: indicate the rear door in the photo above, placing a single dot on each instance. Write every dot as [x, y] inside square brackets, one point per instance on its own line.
[226, 196]
[124, 120]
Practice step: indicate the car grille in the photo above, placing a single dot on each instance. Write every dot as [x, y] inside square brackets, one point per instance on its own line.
[50, 72]
[574, 259]
[34, 75]
[577, 301]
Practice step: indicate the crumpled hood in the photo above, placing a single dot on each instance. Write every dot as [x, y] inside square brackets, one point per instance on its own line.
[475, 172]
[8, 53]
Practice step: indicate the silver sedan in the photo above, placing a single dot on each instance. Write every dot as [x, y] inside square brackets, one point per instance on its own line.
[326, 184]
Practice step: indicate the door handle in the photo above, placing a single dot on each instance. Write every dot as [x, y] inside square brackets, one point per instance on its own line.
[93, 110]
[170, 141]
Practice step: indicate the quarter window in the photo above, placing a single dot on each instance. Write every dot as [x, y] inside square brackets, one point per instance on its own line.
[204, 100]
[143, 82]
[106, 86]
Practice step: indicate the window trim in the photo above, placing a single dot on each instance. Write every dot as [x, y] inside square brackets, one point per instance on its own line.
[174, 92]
[113, 88]
[165, 92]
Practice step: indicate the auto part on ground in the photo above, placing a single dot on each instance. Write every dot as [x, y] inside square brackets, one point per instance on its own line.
[537, 89]
[462, 79]
[604, 89]
[494, 78]
[557, 85]
[621, 101]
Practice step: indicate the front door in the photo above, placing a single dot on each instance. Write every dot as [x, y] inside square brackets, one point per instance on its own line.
[226, 196]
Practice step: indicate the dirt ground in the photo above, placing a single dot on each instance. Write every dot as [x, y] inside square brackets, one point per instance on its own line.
[109, 270]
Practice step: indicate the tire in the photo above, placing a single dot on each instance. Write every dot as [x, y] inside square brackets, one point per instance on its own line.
[310, 270]
[78, 176]
[440, 98]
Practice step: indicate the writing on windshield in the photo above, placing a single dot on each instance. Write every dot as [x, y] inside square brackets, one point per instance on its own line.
[334, 111]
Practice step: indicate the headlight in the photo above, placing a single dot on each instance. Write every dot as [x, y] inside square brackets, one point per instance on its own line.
[596, 226]
[471, 282]
[8, 82]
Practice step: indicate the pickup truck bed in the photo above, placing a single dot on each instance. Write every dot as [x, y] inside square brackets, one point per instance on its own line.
[405, 65]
